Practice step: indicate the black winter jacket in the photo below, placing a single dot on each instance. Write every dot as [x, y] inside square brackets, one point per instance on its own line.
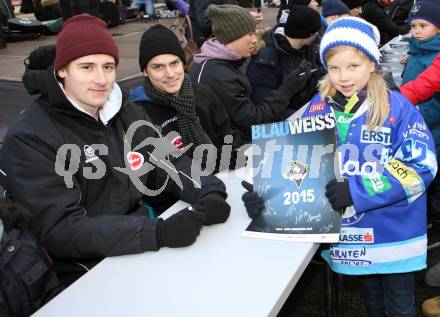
[228, 81]
[95, 218]
[267, 70]
[398, 11]
[374, 12]
[211, 112]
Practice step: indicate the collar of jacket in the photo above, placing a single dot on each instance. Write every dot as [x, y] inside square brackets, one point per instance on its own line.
[430, 45]
[51, 92]
[339, 101]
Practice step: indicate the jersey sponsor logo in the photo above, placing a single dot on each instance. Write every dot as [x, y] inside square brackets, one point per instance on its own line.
[351, 257]
[343, 119]
[317, 107]
[403, 173]
[381, 136]
[135, 160]
[408, 177]
[376, 183]
[356, 235]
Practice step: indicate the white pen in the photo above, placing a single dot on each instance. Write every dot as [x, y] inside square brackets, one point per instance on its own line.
[312, 71]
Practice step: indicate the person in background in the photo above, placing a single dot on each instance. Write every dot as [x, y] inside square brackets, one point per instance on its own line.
[180, 5]
[200, 22]
[355, 7]
[398, 11]
[283, 53]
[424, 86]
[90, 189]
[191, 111]
[146, 6]
[219, 65]
[333, 10]
[374, 12]
[287, 5]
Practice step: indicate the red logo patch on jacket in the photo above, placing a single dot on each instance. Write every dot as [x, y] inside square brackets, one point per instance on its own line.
[178, 142]
[135, 160]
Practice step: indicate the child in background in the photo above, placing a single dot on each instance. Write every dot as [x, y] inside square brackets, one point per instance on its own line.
[383, 199]
[425, 85]
[333, 10]
[424, 46]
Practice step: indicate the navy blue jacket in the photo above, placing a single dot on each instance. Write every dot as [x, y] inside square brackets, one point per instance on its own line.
[275, 61]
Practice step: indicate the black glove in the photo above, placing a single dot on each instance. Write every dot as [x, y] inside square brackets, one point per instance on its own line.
[338, 194]
[179, 230]
[214, 206]
[297, 79]
[254, 204]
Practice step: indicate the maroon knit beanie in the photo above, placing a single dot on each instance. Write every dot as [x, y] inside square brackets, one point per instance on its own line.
[83, 35]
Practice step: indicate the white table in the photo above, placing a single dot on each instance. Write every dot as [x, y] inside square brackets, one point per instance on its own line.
[221, 274]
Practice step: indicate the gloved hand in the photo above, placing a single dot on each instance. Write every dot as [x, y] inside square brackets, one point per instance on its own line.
[297, 79]
[338, 194]
[179, 230]
[254, 204]
[214, 206]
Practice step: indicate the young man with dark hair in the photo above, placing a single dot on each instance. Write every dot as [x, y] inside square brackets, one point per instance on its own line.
[82, 159]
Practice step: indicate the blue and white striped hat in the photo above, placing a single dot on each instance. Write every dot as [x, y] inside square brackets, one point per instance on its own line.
[351, 31]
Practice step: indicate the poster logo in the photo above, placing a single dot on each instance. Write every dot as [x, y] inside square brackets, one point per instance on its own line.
[296, 173]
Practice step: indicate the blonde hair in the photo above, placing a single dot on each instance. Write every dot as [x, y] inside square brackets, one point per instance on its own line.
[377, 91]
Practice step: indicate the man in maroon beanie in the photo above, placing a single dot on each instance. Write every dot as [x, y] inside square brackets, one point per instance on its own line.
[75, 161]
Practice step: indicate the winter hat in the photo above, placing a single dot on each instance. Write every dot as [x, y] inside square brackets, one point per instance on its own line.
[351, 31]
[83, 35]
[302, 22]
[230, 22]
[158, 40]
[334, 7]
[428, 10]
[351, 4]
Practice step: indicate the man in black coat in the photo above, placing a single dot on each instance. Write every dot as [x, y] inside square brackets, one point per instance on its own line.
[219, 66]
[89, 165]
[190, 113]
[374, 12]
[285, 48]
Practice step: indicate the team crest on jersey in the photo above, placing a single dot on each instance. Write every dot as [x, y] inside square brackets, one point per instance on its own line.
[296, 173]
[350, 217]
[415, 8]
[135, 160]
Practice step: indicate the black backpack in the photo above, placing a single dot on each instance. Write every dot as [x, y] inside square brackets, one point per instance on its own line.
[27, 281]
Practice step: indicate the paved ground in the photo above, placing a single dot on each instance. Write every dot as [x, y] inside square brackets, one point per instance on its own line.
[127, 38]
